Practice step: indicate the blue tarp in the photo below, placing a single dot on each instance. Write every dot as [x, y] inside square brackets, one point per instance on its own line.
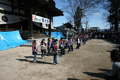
[57, 35]
[3, 46]
[11, 39]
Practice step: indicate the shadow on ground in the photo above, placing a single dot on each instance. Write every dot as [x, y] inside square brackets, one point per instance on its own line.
[28, 57]
[38, 62]
[105, 70]
[80, 79]
[72, 79]
[112, 42]
[98, 75]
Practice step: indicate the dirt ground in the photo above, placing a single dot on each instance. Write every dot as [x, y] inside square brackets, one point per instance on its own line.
[90, 62]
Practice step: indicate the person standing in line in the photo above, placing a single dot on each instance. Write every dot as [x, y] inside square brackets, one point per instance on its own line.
[65, 41]
[80, 38]
[71, 43]
[55, 57]
[48, 46]
[43, 44]
[52, 44]
[68, 43]
[60, 42]
[64, 44]
[85, 38]
[62, 47]
[78, 42]
[34, 50]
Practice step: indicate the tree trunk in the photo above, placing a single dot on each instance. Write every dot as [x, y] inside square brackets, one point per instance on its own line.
[80, 26]
[117, 20]
[117, 15]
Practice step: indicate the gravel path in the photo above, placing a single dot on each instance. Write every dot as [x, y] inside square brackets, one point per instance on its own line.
[90, 62]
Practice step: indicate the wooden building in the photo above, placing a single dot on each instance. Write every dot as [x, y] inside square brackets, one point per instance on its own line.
[66, 29]
[18, 14]
[94, 29]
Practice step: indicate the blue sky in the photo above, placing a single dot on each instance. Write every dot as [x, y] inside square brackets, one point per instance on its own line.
[95, 20]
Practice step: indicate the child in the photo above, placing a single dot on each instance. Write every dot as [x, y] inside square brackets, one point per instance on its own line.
[62, 47]
[49, 45]
[52, 44]
[55, 58]
[78, 42]
[43, 44]
[34, 50]
[68, 43]
[60, 43]
[64, 44]
[71, 45]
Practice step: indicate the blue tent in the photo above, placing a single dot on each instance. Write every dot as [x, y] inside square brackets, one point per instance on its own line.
[57, 35]
[12, 38]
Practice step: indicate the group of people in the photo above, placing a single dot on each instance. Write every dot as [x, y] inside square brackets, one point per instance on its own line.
[62, 44]
[67, 43]
[113, 36]
[50, 44]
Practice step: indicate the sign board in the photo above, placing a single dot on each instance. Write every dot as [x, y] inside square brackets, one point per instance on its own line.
[40, 19]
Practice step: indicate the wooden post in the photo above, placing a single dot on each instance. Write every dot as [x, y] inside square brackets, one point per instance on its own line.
[30, 24]
[50, 28]
[21, 28]
[6, 26]
[12, 6]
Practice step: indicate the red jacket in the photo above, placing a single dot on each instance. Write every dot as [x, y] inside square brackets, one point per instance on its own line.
[55, 48]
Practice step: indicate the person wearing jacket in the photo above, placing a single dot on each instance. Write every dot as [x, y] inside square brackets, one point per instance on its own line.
[43, 44]
[69, 44]
[62, 47]
[115, 72]
[55, 57]
[78, 42]
[48, 46]
[34, 50]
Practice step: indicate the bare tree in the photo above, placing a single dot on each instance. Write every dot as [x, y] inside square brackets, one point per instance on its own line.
[85, 6]
[86, 21]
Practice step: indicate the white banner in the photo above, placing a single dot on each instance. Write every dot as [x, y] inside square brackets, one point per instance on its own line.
[40, 19]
